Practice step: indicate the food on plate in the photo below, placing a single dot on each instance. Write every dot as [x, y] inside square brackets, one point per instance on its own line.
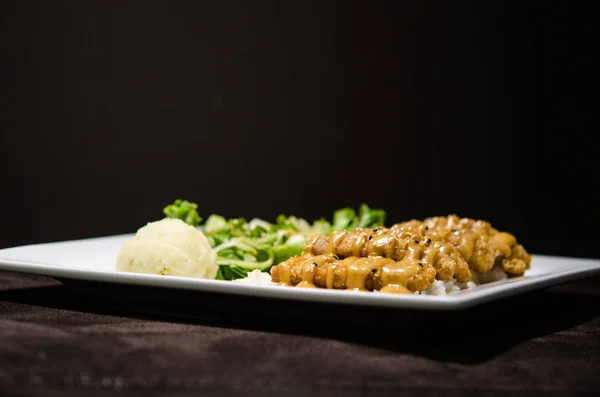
[410, 257]
[244, 246]
[354, 250]
[255, 277]
[169, 247]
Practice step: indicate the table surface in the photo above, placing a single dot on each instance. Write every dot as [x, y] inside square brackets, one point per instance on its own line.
[65, 338]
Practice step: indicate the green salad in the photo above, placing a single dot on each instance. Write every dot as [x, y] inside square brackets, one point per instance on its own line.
[243, 246]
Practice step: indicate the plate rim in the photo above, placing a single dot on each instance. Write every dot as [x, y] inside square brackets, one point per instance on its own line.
[458, 301]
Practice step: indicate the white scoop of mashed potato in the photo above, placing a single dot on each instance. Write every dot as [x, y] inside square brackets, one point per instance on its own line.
[170, 247]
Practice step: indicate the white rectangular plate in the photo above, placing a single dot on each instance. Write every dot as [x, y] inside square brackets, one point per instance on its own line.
[94, 260]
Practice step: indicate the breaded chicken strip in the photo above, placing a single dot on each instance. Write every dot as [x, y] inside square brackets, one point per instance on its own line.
[393, 244]
[355, 273]
[482, 245]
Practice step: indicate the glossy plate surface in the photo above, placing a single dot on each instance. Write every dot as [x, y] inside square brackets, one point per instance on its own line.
[94, 260]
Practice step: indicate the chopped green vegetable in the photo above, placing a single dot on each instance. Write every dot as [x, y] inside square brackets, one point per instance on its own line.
[243, 246]
[347, 219]
[343, 218]
[184, 210]
[368, 217]
[286, 251]
[215, 223]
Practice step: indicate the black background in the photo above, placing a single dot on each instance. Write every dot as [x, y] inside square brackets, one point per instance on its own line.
[110, 110]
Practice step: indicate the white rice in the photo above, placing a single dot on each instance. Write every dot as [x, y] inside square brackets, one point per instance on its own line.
[496, 274]
[256, 277]
[439, 287]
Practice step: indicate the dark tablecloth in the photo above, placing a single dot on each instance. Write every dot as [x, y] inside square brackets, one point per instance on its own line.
[65, 338]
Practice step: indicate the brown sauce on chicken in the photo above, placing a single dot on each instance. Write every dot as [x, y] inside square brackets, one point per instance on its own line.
[404, 258]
